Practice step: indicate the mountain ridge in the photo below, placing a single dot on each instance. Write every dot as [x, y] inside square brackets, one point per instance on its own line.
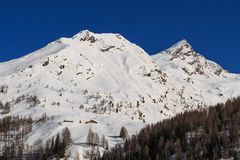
[106, 78]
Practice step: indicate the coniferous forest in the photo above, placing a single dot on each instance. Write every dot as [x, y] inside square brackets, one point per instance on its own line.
[211, 133]
[13, 146]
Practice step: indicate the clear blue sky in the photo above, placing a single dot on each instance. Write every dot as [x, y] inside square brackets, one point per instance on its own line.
[211, 26]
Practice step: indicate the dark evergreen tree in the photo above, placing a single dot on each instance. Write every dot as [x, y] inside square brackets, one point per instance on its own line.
[57, 144]
[90, 137]
[124, 133]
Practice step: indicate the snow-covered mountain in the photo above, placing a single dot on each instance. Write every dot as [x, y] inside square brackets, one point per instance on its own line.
[106, 78]
[204, 79]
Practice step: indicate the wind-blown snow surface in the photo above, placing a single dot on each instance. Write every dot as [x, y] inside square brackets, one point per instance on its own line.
[105, 78]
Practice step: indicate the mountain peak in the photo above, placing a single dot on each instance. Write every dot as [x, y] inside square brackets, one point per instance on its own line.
[183, 55]
[182, 48]
[85, 35]
[181, 43]
[109, 39]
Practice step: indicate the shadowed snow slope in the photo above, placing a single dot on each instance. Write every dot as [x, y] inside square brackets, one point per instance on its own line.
[106, 78]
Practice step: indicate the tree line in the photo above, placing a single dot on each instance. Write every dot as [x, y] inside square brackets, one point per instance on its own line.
[211, 133]
[12, 136]
[55, 147]
[13, 146]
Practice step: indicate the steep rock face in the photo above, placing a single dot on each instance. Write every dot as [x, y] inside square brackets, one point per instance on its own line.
[107, 79]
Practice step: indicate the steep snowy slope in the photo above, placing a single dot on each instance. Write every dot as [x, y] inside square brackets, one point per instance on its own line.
[100, 77]
[107, 79]
[203, 78]
[99, 72]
